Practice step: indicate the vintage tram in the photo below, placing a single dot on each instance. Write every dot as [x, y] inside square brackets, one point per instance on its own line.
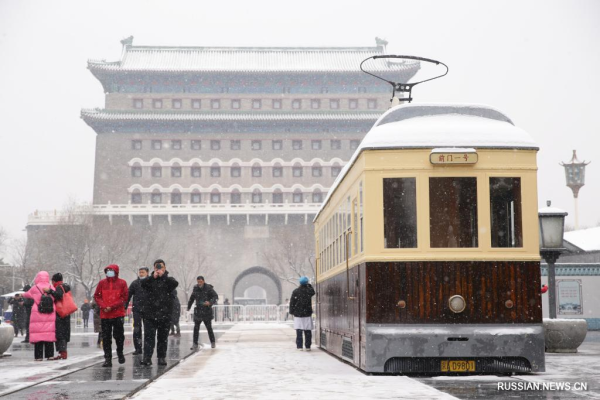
[427, 244]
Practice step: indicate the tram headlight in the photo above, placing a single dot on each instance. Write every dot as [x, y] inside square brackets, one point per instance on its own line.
[457, 304]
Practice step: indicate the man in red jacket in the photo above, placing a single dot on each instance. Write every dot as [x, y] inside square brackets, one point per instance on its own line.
[111, 296]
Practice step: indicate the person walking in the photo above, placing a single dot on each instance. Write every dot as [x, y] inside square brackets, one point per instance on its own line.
[287, 313]
[97, 322]
[42, 326]
[226, 311]
[19, 314]
[205, 297]
[111, 296]
[85, 313]
[175, 316]
[63, 325]
[301, 309]
[159, 287]
[27, 303]
[139, 297]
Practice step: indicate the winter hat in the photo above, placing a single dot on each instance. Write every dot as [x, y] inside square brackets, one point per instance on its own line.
[304, 280]
[26, 288]
[57, 277]
[200, 277]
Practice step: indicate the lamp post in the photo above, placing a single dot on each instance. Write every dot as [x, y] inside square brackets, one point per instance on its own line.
[552, 227]
[575, 175]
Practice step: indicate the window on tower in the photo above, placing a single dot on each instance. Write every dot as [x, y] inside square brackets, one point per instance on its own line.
[256, 172]
[176, 198]
[277, 172]
[176, 144]
[157, 103]
[296, 104]
[277, 198]
[353, 104]
[297, 172]
[136, 172]
[156, 198]
[215, 145]
[298, 197]
[156, 172]
[257, 197]
[235, 145]
[136, 144]
[354, 144]
[317, 172]
[215, 172]
[276, 104]
[236, 198]
[297, 144]
[324, 89]
[138, 103]
[176, 172]
[256, 145]
[372, 104]
[316, 144]
[315, 104]
[256, 104]
[196, 172]
[334, 104]
[136, 198]
[236, 104]
[196, 144]
[215, 198]
[277, 144]
[236, 172]
[336, 144]
[196, 104]
[335, 171]
[317, 197]
[157, 144]
[215, 104]
[196, 198]
[176, 103]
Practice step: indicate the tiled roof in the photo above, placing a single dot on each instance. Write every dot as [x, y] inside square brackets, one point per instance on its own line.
[90, 115]
[250, 59]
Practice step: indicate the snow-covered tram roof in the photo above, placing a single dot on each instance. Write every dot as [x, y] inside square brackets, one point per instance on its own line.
[429, 126]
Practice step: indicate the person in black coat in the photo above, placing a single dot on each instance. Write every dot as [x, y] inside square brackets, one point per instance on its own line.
[301, 309]
[28, 303]
[175, 316]
[205, 297]
[19, 314]
[63, 325]
[85, 312]
[157, 312]
[139, 297]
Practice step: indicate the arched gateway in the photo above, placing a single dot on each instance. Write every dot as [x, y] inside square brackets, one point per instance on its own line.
[261, 277]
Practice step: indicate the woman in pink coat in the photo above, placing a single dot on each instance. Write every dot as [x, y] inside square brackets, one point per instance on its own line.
[42, 327]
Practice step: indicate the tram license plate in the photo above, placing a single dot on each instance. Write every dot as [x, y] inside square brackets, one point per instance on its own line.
[458, 366]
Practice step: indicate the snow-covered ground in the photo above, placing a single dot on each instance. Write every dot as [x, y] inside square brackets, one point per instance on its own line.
[17, 374]
[259, 361]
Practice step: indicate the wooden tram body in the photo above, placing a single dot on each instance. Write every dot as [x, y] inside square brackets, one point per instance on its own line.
[403, 231]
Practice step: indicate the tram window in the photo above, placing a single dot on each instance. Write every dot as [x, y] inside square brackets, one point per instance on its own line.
[453, 212]
[505, 205]
[400, 213]
[362, 241]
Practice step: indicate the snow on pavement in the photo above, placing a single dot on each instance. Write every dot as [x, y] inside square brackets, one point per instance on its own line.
[260, 361]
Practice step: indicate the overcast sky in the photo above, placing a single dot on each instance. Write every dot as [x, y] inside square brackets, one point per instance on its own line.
[538, 61]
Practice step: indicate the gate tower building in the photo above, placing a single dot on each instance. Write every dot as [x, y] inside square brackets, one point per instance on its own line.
[240, 144]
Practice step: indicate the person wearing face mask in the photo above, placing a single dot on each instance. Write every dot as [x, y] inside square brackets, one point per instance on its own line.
[111, 295]
[139, 298]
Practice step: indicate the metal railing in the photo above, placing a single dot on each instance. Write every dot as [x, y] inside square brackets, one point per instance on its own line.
[222, 315]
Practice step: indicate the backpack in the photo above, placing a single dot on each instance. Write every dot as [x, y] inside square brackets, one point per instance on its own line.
[46, 305]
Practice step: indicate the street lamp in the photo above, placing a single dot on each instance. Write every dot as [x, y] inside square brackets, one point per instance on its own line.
[552, 228]
[575, 174]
